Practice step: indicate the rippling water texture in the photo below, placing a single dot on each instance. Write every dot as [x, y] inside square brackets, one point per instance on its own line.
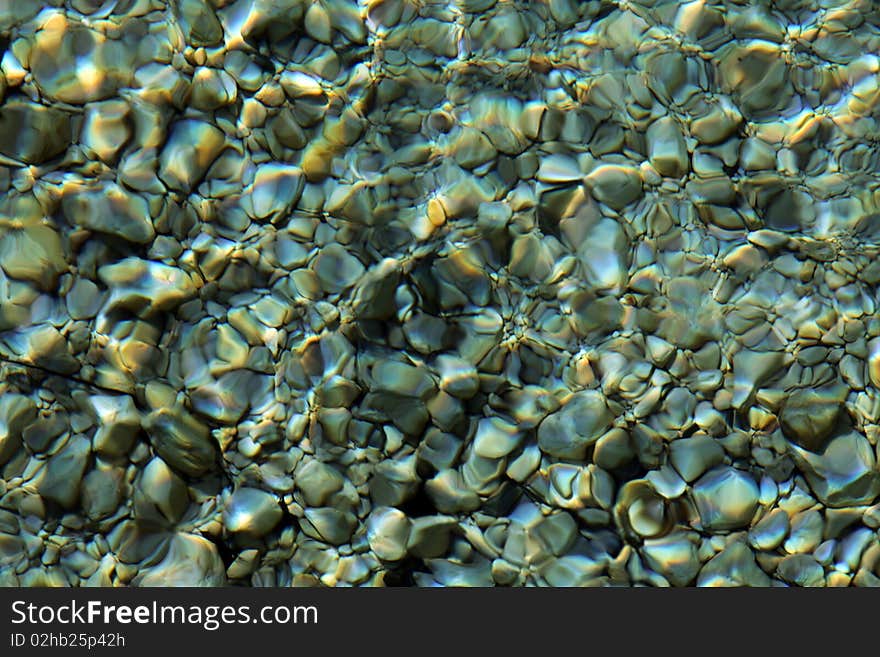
[439, 293]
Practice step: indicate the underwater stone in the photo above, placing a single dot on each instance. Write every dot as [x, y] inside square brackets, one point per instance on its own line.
[251, 511]
[734, 566]
[118, 424]
[191, 148]
[615, 185]
[181, 440]
[388, 532]
[33, 133]
[578, 424]
[726, 498]
[112, 210]
[101, 64]
[844, 474]
[809, 416]
[64, 472]
[16, 413]
[191, 561]
[33, 252]
[143, 286]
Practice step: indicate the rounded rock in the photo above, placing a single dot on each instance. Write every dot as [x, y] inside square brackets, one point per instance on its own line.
[251, 511]
[388, 531]
[568, 432]
[726, 498]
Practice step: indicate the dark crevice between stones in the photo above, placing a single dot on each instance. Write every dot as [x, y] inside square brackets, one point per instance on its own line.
[287, 519]
[605, 10]
[629, 471]
[418, 505]
[502, 502]
[400, 575]
[690, 431]
[227, 554]
[67, 377]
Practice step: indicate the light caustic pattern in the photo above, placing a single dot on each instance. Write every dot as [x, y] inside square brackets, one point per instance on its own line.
[439, 293]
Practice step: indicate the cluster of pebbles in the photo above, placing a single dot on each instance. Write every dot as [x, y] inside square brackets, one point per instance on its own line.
[404, 292]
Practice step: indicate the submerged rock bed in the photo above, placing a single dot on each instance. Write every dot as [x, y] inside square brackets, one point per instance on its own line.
[439, 293]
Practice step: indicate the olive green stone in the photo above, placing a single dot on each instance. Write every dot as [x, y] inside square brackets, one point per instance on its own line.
[181, 440]
[810, 416]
